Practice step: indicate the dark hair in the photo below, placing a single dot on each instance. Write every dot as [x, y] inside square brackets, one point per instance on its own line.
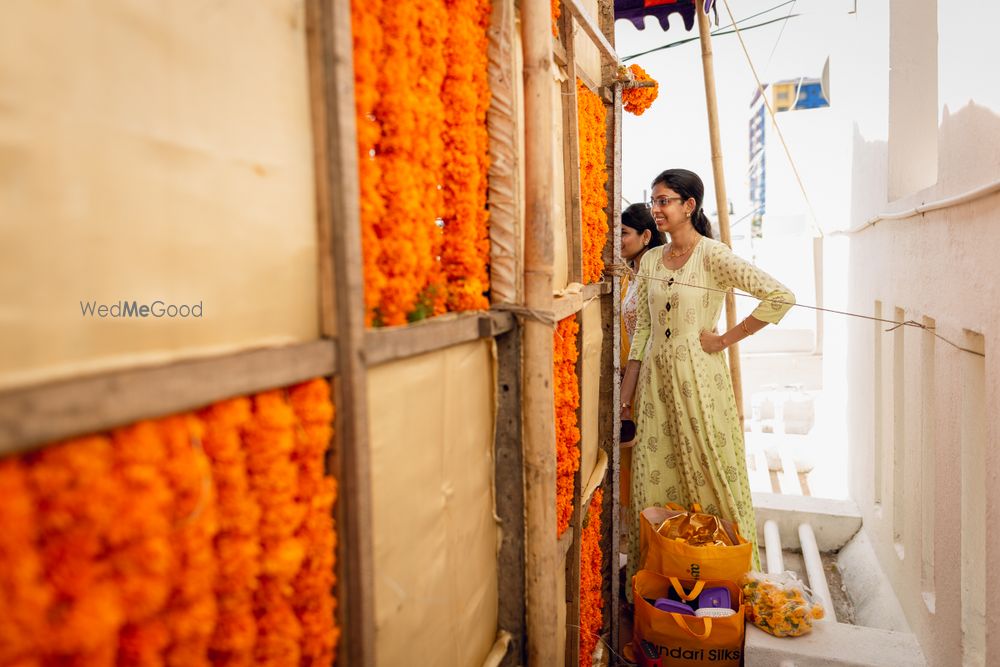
[638, 217]
[688, 185]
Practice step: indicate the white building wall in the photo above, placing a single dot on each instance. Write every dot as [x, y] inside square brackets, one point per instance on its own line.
[922, 414]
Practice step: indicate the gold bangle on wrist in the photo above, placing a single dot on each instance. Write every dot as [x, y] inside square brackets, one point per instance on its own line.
[747, 331]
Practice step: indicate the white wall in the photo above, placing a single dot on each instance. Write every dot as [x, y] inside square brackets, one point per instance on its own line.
[920, 412]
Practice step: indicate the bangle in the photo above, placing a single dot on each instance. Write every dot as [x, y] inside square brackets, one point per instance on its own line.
[747, 331]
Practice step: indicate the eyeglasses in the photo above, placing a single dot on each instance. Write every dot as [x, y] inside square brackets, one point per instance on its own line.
[661, 202]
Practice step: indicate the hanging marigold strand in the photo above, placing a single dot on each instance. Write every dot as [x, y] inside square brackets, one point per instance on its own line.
[591, 600]
[592, 116]
[237, 545]
[465, 252]
[403, 231]
[315, 604]
[192, 612]
[368, 49]
[25, 594]
[567, 401]
[141, 557]
[83, 498]
[270, 443]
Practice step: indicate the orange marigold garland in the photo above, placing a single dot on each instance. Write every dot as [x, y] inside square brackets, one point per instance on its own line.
[637, 100]
[78, 499]
[567, 401]
[404, 231]
[368, 59]
[141, 557]
[591, 600]
[314, 601]
[237, 546]
[556, 13]
[192, 612]
[270, 442]
[466, 95]
[429, 151]
[592, 116]
[26, 596]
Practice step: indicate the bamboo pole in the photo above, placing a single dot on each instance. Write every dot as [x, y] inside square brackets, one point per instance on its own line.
[721, 200]
[541, 559]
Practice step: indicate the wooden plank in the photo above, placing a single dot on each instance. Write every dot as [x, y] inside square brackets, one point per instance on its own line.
[541, 568]
[36, 415]
[592, 29]
[571, 155]
[503, 128]
[331, 52]
[610, 392]
[392, 343]
[571, 303]
[509, 484]
[576, 524]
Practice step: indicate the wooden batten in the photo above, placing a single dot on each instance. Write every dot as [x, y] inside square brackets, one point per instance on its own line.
[392, 343]
[541, 561]
[610, 393]
[332, 74]
[509, 481]
[590, 26]
[34, 416]
[571, 154]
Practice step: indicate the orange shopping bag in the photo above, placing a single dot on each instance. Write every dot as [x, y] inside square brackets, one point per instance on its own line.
[681, 639]
[691, 545]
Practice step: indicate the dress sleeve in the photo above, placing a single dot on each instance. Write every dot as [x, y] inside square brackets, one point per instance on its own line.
[730, 270]
[642, 311]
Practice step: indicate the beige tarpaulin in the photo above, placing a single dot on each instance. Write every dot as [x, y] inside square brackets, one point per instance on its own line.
[435, 539]
[152, 151]
[590, 386]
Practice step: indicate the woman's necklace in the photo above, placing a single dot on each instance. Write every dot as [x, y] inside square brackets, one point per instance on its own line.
[672, 254]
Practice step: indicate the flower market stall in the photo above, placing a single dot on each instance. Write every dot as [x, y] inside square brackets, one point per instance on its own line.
[311, 332]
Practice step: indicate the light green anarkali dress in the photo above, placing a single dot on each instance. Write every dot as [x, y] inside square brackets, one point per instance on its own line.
[689, 443]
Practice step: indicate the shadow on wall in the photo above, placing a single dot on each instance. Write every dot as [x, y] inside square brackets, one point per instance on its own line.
[968, 148]
[869, 178]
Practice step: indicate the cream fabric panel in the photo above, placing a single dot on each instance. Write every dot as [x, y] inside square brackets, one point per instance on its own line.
[590, 387]
[152, 151]
[431, 433]
[588, 56]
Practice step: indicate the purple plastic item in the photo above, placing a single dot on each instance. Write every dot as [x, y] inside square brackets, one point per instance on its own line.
[716, 597]
[666, 604]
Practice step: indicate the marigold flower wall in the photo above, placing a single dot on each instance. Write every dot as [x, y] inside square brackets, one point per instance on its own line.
[421, 95]
[201, 538]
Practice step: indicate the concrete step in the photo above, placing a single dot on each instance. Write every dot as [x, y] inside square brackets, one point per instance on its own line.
[866, 625]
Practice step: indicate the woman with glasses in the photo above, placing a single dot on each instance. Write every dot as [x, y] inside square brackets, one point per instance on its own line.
[689, 442]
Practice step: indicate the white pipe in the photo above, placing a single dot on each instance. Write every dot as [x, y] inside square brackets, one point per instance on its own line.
[963, 198]
[814, 569]
[772, 547]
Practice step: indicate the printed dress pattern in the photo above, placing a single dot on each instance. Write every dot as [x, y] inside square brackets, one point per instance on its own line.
[689, 446]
